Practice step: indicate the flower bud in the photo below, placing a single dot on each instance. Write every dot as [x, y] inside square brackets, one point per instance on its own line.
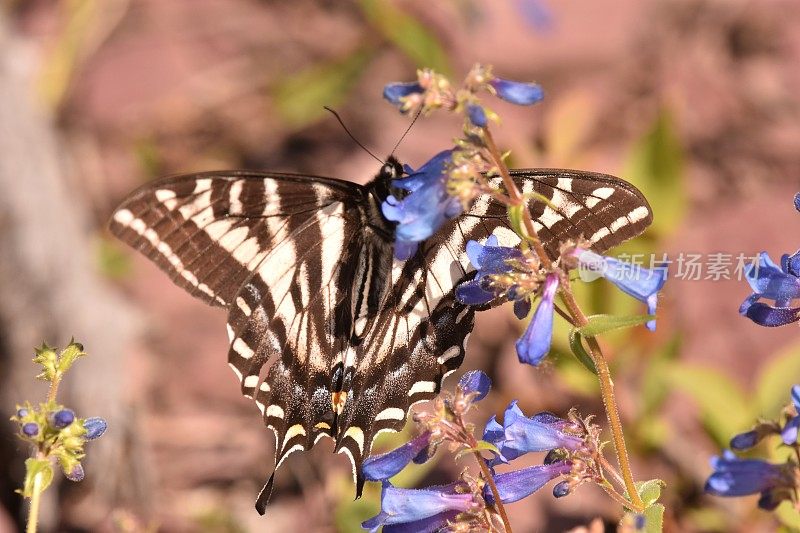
[95, 427]
[63, 418]
[31, 429]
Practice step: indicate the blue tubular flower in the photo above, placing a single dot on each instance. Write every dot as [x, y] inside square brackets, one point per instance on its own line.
[395, 92]
[517, 92]
[634, 280]
[518, 484]
[772, 282]
[789, 432]
[423, 510]
[420, 214]
[476, 382]
[519, 435]
[740, 477]
[384, 466]
[535, 342]
[490, 259]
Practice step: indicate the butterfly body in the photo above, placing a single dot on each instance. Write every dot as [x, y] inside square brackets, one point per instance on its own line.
[350, 336]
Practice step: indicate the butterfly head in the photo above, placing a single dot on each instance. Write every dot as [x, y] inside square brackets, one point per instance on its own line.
[390, 171]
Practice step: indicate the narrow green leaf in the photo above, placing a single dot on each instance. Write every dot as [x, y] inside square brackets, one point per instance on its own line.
[724, 407]
[407, 33]
[482, 446]
[515, 219]
[776, 378]
[603, 323]
[576, 345]
[656, 167]
[300, 98]
[34, 467]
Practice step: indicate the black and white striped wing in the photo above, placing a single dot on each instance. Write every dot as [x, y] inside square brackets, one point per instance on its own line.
[209, 231]
[422, 333]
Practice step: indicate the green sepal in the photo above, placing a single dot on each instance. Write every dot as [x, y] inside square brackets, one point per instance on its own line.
[69, 354]
[482, 446]
[599, 324]
[650, 490]
[34, 467]
[580, 353]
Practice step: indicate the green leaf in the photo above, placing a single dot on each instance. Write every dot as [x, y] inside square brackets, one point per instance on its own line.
[576, 345]
[654, 518]
[482, 446]
[300, 98]
[650, 490]
[37, 467]
[656, 167]
[69, 355]
[599, 324]
[775, 380]
[724, 407]
[407, 34]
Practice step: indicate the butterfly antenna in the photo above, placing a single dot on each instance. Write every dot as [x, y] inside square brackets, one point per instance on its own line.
[406, 132]
[341, 122]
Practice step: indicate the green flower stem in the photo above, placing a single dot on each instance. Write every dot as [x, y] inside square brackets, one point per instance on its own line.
[603, 373]
[53, 391]
[36, 497]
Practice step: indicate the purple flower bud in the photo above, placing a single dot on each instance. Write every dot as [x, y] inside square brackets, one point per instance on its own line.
[535, 342]
[515, 485]
[95, 427]
[31, 429]
[76, 474]
[63, 418]
[394, 92]
[561, 489]
[797, 201]
[517, 92]
[477, 115]
[744, 441]
[476, 381]
[382, 467]
[22, 412]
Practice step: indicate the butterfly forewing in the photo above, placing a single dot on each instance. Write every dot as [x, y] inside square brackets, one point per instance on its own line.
[350, 336]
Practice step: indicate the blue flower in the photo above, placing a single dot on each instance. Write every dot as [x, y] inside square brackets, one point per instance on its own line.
[477, 382]
[517, 484]
[634, 280]
[535, 342]
[384, 466]
[740, 477]
[519, 435]
[427, 206]
[62, 418]
[477, 115]
[95, 427]
[789, 432]
[780, 284]
[420, 510]
[517, 92]
[490, 259]
[395, 92]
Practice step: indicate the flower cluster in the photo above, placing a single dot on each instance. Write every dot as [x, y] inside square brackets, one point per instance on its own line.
[54, 431]
[440, 189]
[774, 483]
[509, 273]
[769, 281]
[572, 447]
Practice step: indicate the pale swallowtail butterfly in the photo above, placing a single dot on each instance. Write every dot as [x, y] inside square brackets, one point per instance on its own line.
[351, 336]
